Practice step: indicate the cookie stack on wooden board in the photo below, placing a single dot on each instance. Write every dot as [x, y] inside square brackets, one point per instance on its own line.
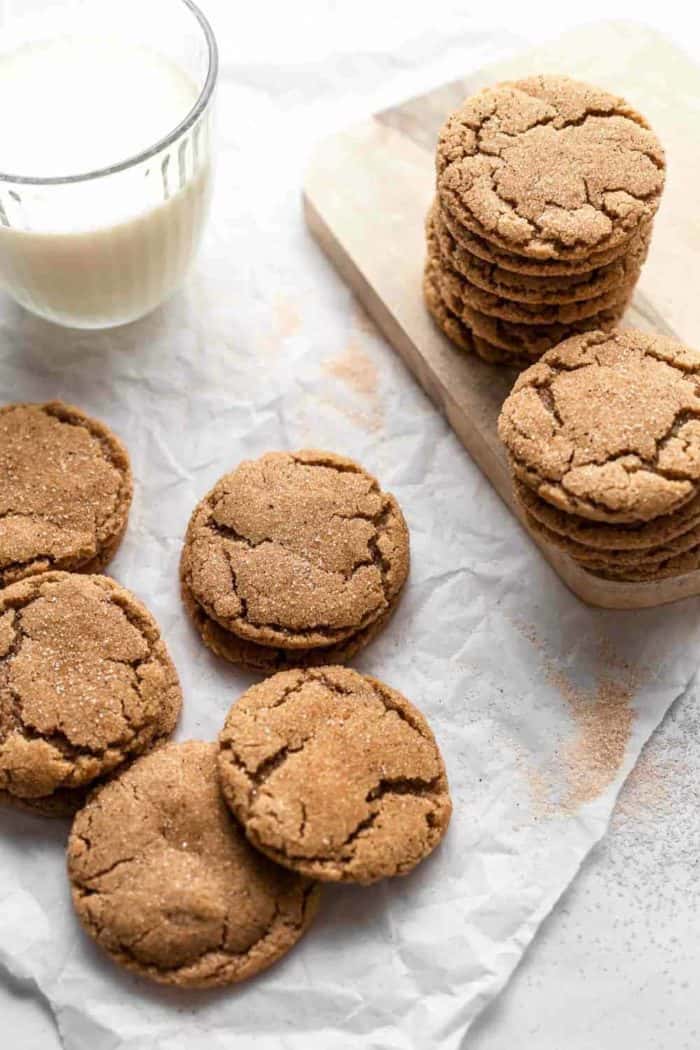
[546, 192]
[603, 436]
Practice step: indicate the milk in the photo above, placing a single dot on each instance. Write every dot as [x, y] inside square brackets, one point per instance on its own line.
[106, 250]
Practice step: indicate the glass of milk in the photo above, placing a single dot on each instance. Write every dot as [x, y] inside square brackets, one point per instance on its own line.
[105, 153]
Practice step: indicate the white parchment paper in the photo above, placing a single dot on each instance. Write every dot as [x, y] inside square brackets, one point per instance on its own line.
[616, 965]
[541, 705]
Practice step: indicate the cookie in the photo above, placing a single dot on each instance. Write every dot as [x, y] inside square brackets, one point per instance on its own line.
[607, 426]
[532, 340]
[523, 288]
[266, 659]
[549, 168]
[678, 565]
[459, 293]
[164, 880]
[86, 684]
[296, 550]
[456, 331]
[540, 268]
[334, 775]
[65, 491]
[648, 558]
[602, 537]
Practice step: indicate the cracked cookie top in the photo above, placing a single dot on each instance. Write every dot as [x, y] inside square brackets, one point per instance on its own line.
[65, 490]
[296, 549]
[165, 881]
[335, 775]
[607, 426]
[549, 168]
[86, 683]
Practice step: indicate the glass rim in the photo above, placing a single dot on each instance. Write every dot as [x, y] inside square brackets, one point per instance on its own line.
[163, 143]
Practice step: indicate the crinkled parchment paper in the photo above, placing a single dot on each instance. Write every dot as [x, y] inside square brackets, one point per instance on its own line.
[540, 704]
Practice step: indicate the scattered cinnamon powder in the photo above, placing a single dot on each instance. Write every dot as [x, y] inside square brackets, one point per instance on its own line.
[646, 789]
[359, 375]
[286, 323]
[603, 718]
[586, 764]
[288, 318]
[355, 369]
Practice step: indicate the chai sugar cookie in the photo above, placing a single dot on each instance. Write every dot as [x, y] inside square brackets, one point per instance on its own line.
[681, 526]
[458, 333]
[677, 565]
[296, 550]
[65, 491]
[525, 288]
[540, 268]
[549, 167]
[265, 659]
[86, 684]
[648, 558]
[458, 291]
[334, 775]
[607, 426]
[164, 880]
[533, 340]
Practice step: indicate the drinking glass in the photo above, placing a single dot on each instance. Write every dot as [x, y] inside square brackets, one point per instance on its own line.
[99, 248]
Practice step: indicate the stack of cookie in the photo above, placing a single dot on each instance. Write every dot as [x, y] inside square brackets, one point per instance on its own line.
[546, 192]
[294, 560]
[603, 436]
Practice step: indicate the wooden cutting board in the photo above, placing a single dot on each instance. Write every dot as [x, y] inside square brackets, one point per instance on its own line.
[367, 193]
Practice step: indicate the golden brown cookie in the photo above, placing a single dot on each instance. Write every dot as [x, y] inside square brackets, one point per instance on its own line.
[334, 775]
[607, 426]
[534, 340]
[86, 684]
[678, 565]
[600, 536]
[463, 298]
[296, 550]
[549, 167]
[65, 491]
[648, 558]
[526, 288]
[459, 334]
[266, 659]
[165, 881]
[540, 268]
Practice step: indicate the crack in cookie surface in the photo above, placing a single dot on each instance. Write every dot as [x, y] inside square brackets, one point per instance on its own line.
[296, 550]
[85, 683]
[165, 881]
[608, 426]
[549, 167]
[334, 775]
